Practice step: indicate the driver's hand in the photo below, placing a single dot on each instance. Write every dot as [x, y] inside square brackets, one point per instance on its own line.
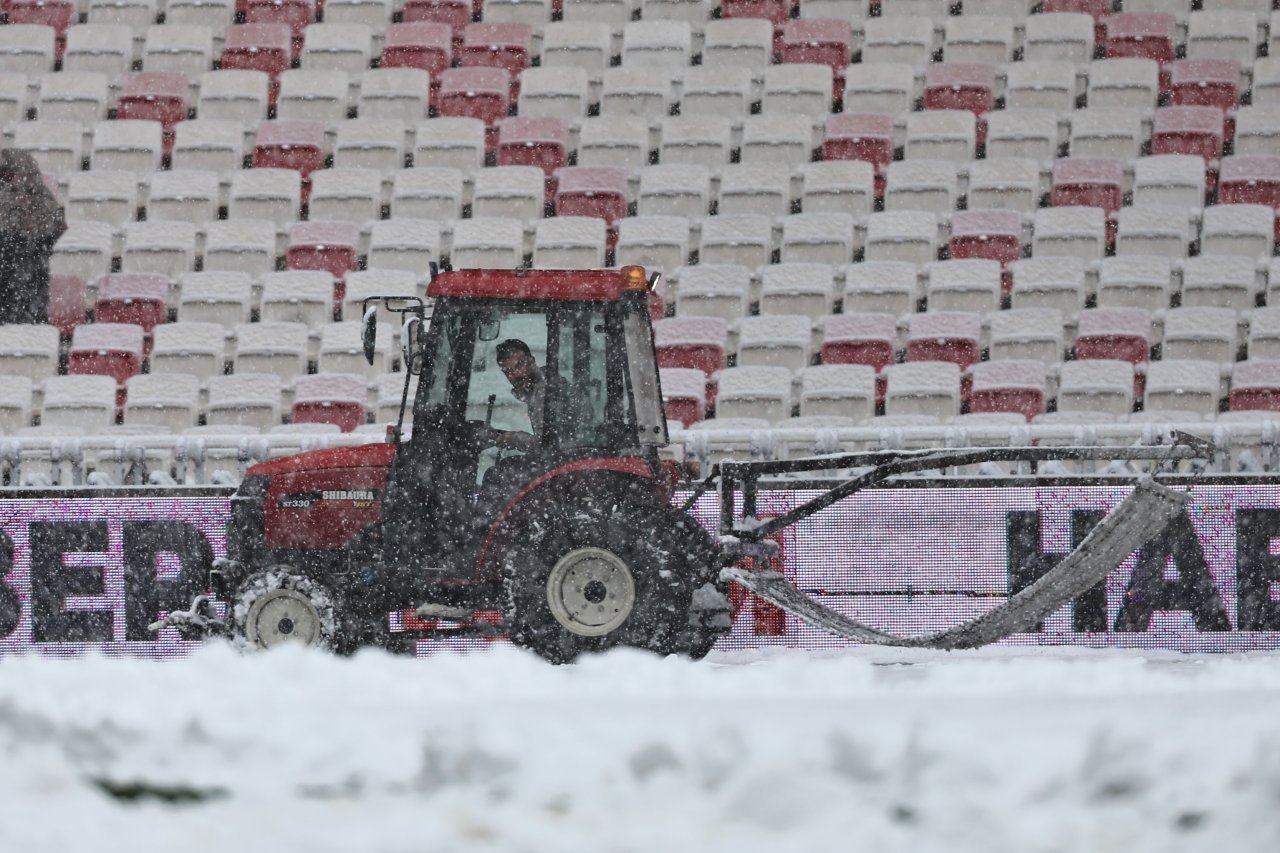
[514, 440]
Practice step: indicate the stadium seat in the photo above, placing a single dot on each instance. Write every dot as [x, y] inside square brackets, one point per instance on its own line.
[532, 13]
[314, 94]
[296, 145]
[1257, 130]
[244, 399]
[155, 96]
[713, 290]
[784, 340]
[455, 142]
[106, 349]
[941, 135]
[840, 390]
[653, 241]
[1266, 80]
[390, 393]
[1152, 231]
[684, 394]
[742, 41]
[891, 287]
[270, 195]
[259, 47]
[15, 95]
[818, 41]
[800, 89]
[869, 339]
[1124, 83]
[1205, 83]
[374, 14]
[897, 40]
[1226, 281]
[1058, 37]
[339, 46]
[879, 87]
[1180, 385]
[719, 90]
[162, 247]
[141, 299]
[1136, 281]
[954, 336]
[1088, 182]
[960, 86]
[378, 282]
[614, 140]
[67, 297]
[1008, 385]
[186, 195]
[488, 243]
[222, 297]
[744, 239]
[1255, 384]
[926, 185]
[85, 249]
[1200, 332]
[843, 186]
[341, 350]
[636, 90]
[656, 43]
[480, 93]
[79, 96]
[490, 44]
[30, 48]
[88, 402]
[1071, 232]
[16, 397]
[419, 43]
[350, 194]
[697, 140]
[760, 189]
[615, 13]
[1144, 35]
[29, 350]
[331, 398]
[904, 235]
[515, 192]
[1054, 282]
[391, 93]
[1192, 130]
[577, 44]
[569, 242]
[533, 141]
[859, 136]
[994, 235]
[102, 195]
[427, 193]
[1250, 180]
[1027, 333]
[297, 296]
[971, 284]
[797, 288]
[170, 400]
[1247, 230]
[820, 238]
[1031, 134]
[755, 391]
[1096, 385]
[323, 245]
[785, 138]
[1115, 133]
[105, 48]
[692, 342]
[407, 244]
[922, 388]
[1222, 34]
[981, 39]
[127, 146]
[189, 347]
[1125, 334]
[240, 245]
[593, 191]
[1040, 85]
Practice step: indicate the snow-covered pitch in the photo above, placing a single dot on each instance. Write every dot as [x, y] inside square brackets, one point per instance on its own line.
[995, 750]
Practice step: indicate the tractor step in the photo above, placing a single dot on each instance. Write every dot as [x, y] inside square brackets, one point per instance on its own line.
[1137, 520]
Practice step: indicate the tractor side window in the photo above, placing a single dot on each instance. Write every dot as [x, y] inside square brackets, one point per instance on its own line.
[591, 392]
[437, 390]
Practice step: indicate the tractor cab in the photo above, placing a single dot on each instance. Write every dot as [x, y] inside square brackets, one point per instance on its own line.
[520, 374]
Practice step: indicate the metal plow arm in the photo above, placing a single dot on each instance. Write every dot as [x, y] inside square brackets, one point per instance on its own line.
[1137, 520]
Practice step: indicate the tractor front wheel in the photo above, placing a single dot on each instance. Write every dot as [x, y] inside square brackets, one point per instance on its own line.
[591, 576]
[279, 606]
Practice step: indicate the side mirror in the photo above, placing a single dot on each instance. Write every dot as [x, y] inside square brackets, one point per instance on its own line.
[369, 332]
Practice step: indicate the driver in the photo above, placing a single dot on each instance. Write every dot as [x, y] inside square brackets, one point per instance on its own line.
[528, 385]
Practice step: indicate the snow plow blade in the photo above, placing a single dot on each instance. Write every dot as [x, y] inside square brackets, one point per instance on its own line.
[1137, 520]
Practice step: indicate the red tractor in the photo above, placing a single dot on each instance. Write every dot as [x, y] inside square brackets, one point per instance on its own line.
[530, 484]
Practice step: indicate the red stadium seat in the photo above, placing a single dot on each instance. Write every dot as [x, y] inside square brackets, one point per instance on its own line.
[496, 45]
[533, 141]
[138, 298]
[1008, 385]
[1114, 333]
[331, 398]
[696, 342]
[1099, 10]
[776, 11]
[106, 349]
[860, 338]
[1145, 35]
[954, 336]
[1255, 384]
[290, 144]
[333, 247]
[420, 44]
[483, 93]
[157, 96]
[861, 136]
[66, 302]
[819, 41]
[259, 47]
[988, 234]
[684, 394]
[298, 14]
[1205, 83]
[58, 14]
[455, 14]
[1088, 182]
[961, 86]
[1251, 180]
[599, 191]
[1189, 130]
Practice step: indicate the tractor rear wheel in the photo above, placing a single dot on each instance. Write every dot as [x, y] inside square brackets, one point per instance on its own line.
[594, 575]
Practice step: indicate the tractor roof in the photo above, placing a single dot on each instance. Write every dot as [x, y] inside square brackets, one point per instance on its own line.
[558, 285]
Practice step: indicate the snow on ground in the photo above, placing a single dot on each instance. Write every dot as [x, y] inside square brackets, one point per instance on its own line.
[990, 751]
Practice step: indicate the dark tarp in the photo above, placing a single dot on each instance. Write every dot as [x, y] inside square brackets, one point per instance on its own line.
[30, 223]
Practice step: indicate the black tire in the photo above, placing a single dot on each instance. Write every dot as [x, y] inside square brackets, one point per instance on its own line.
[281, 605]
[589, 576]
